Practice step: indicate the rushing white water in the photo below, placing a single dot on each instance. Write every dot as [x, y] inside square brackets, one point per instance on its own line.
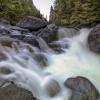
[78, 60]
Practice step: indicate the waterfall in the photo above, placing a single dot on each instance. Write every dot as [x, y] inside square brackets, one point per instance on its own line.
[48, 83]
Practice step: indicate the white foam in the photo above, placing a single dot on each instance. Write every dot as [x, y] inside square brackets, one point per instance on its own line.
[78, 60]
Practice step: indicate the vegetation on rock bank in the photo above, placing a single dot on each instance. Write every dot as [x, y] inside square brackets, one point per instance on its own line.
[13, 10]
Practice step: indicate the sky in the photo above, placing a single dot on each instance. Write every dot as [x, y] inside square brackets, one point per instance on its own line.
[44, 6]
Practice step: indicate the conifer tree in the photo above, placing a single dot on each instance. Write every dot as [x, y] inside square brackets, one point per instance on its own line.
[13, 10]
[84, 12]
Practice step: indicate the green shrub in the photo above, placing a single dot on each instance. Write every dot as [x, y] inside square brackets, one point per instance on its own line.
[13, 10]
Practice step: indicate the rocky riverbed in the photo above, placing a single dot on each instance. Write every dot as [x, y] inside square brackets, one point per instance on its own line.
[44, 37]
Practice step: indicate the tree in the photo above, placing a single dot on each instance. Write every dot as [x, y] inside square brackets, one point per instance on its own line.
[84, 12]
[13, 10]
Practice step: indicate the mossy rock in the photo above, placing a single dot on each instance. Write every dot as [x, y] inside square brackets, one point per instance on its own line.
[14, 10]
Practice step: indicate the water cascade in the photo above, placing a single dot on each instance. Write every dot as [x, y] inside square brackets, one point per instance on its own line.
[18, 65]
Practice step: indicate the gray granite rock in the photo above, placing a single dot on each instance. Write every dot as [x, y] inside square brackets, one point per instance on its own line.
[11, 91]
[82, 89]
[94, 39]
[32, 23]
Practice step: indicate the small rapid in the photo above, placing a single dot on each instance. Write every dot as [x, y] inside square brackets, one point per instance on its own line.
[47, 83]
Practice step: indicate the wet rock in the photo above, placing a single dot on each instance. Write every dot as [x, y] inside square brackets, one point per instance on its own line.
[14, 30]
[58, 50]
[82, 89]
[3, 56]
[32, 23]
[60, 45]
[6, 41]
[25, 48]
[8, 30]
[31, 40]
[37, 32]
[40, 59]
[55, 44]
[18, 36]
[51, 86]
[18, 29]
[6, 70]
[79, 96]
[4, 30]
[49, 33]
[94, 39]
[16, 44]
[53, 33]
[11, 91]
[56, 47]
[37, 42]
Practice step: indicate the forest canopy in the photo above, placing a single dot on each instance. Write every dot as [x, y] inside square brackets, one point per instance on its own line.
[13, 10]
[84, 12]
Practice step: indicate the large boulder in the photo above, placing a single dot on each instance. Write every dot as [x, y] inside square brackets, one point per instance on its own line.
[13, 10]
[11, 91]
[32, 23]
[49, 33]
[53, 32]
[94, 39]
[82, 89]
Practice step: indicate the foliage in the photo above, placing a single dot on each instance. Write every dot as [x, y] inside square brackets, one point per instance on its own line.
[13, 10]
[82, 12]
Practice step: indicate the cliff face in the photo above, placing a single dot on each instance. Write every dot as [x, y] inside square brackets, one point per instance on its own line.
[67, 12]
[13, 10]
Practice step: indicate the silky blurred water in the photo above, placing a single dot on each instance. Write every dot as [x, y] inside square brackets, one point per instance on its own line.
[77, 60]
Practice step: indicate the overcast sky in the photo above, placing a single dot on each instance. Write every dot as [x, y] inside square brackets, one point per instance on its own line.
[44, 6]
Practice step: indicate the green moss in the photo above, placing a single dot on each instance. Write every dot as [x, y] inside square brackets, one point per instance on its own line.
[13, 10]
